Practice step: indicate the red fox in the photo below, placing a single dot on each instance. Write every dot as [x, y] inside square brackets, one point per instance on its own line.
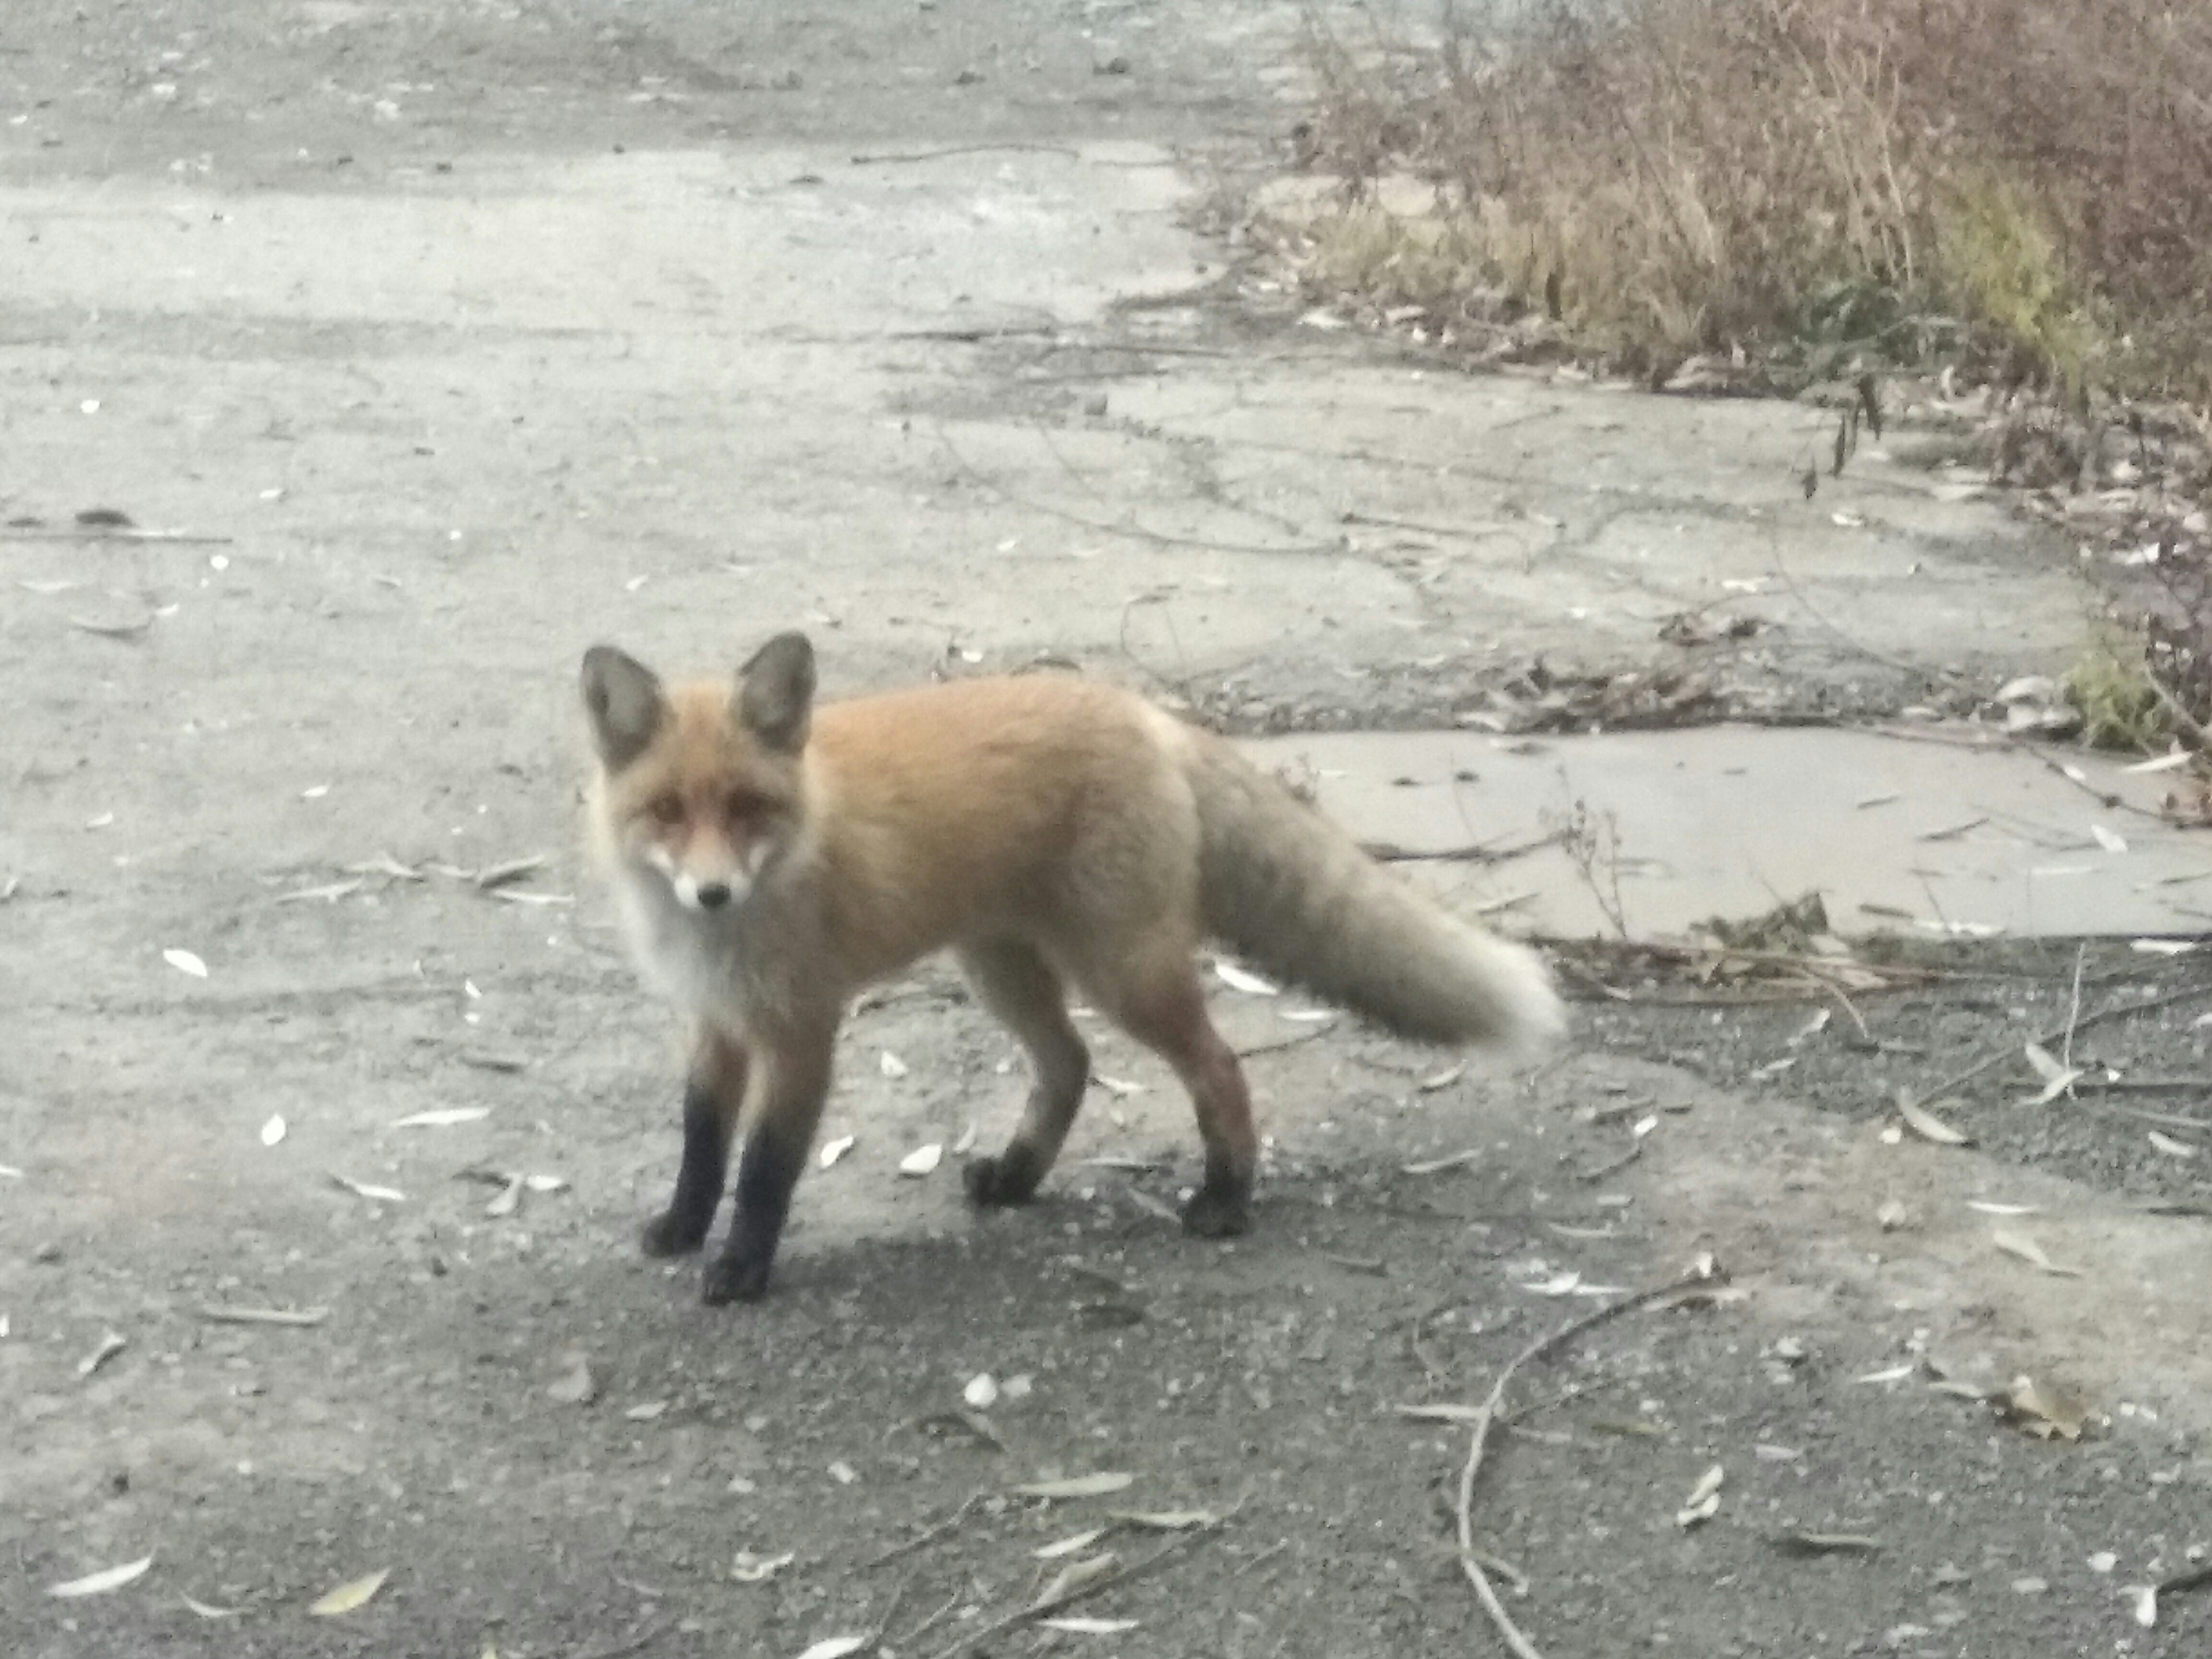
[771, 859]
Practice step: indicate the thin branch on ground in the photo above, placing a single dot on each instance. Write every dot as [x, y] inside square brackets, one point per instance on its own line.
[1051, 1605]
[891, 157]
[2073, 1007]
[1479, 1440]
[1389, 852]
[2011, 1050]
[928, 1535]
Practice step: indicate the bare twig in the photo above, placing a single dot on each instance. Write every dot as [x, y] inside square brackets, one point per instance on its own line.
[2073, 1008]
[1389, 852]
[889, 158]
[2175, 711]
[927, 1536]
[59, 534]
[2111, 1011]
[1050, 1604]
[1479, 1440]
[930, 1624]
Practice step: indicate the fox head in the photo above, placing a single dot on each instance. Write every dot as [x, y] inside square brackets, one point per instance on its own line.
[700, 784]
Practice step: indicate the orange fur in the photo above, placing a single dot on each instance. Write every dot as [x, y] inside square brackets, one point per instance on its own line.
[772, 859]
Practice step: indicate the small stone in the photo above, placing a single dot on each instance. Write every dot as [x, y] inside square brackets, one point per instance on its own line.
[575, 1387]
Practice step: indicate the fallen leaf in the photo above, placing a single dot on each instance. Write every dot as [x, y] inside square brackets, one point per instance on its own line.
[1072, 1578]
[133, 630]
[2172, 762]
[2162, 947]
[302, 1316]
[2111, 840]
[892, 1066]
[1116, 1085]
[1925, 1124]
[1990, 1208]
[965, 1142]
[2028, 1250]
[922, 1159]
[1827, 1543]
[185, 962]
[1238, 980]
[1892, 1215]
[1443, 1411]
[2045, 1412]
[330, 892]
[981, 1392]
[442, 1117]
[749, 1568]
[2056, 1079]
[366, 1189]
[1168, 1520]
[2143, 1602]
[98, 1584]
[546, 1183]
[513, 869]
[2103, 1560]
[843, 1474]
[507, 1200]
[1443, 1079]
[273, 1130]
[832, 1151]
[1559, 1284]
[836, 1647]
[205, 1611]
[1097, 1485]
[1704, 1501]
[1438, 1166]
[1888, 1374]
[355, 1593]
[2171, 1147]
[109, 1346]
[1069, 1545]
[1079, 1626]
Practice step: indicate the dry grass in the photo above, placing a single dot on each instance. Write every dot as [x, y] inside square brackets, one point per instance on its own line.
[1805, 183]
[1793, 192]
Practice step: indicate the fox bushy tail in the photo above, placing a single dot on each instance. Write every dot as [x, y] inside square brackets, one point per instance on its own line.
[1290, 893]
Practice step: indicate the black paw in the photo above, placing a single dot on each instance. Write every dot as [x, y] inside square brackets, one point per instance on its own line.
[735, 1279]
[671, 1233]
[1216, 1212]
[994, 1183]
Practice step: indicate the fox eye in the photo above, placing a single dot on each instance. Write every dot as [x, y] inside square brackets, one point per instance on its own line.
[667, 809]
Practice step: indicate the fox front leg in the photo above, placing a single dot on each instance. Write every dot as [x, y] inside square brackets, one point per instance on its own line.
[795, 1081]
[713, 1095]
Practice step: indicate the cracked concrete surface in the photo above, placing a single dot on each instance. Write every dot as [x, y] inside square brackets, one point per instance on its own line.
[602, 331]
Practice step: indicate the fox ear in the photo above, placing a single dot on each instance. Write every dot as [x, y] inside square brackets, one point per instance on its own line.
[775, 692]
[624, 699]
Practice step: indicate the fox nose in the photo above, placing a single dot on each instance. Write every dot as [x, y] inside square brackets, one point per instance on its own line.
[713, 895]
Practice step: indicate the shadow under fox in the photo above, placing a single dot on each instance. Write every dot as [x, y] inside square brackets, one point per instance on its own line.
[771, 859]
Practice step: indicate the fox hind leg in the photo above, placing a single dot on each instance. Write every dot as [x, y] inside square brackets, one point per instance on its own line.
[1159, 1000]
[1019, 986]
[712, 1095]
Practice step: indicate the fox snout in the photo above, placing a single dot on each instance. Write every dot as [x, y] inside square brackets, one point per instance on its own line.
[711, 888]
